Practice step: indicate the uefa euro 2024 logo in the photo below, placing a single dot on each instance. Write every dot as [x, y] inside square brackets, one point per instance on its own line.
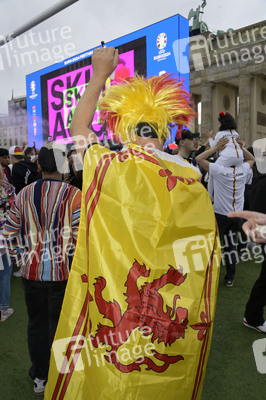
[161, 41]
[32, 86]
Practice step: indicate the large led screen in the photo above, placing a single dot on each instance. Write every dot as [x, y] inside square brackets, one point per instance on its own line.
[53, 92]
[62, 89]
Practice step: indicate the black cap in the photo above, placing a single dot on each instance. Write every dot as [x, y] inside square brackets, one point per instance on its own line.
[187, 134]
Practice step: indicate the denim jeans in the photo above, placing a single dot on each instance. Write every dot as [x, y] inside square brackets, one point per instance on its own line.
[5, 277]
[44, 302]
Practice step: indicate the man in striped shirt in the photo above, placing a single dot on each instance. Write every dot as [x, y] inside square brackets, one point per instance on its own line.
[40, 234]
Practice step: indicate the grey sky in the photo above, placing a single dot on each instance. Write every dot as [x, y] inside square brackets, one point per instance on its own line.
[84, 24]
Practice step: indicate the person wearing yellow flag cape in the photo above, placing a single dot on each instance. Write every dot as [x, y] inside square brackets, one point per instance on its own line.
[138, 312]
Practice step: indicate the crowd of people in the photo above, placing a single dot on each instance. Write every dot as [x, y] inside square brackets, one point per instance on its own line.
[40, 214]
[41, 198]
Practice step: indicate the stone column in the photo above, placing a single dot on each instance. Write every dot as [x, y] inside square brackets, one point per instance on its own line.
[196, 100]
[244, 119]
[206, 108]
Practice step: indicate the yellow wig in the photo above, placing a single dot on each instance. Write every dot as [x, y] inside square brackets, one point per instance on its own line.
[160, 101]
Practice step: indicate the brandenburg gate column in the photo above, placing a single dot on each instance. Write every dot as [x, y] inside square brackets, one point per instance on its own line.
[196, 100]
[244, 119]
[206, 107]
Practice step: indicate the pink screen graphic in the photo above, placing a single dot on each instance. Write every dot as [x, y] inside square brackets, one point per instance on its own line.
[64, 92]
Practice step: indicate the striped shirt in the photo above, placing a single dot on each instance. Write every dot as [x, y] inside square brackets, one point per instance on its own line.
[41, 229]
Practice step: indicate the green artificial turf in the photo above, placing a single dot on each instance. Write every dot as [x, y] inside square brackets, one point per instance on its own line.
[231, 372]
[15, 383]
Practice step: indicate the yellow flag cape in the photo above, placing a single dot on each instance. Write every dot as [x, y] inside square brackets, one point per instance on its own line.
[138, 311]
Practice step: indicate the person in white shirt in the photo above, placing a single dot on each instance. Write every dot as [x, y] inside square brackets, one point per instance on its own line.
[229, 186]
[232, 153]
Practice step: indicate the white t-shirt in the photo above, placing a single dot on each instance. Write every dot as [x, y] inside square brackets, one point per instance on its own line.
[229, 187]
[232, 153]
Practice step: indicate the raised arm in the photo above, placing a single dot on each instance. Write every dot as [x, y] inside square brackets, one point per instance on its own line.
[104, 61]
[248, 157]
[212, 139]
[202, 158]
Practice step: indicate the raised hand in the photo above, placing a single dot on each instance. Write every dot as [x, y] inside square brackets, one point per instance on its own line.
[222, 143]
[104, 61]
[240, 142]
[209, 134]
[255, 226]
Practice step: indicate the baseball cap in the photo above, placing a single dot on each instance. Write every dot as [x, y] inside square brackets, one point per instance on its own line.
[16, 151]
[186, 134]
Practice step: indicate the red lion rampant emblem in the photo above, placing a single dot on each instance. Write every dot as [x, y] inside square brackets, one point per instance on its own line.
[145, 310]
